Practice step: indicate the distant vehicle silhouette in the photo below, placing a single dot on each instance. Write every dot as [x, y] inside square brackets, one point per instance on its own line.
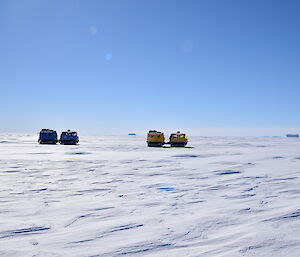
[155, 138]
[69, 138]
[48, 136]
[178, 139]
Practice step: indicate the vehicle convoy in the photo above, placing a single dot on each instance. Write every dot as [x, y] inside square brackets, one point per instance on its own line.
[48, 136]
[155, 138]
[69, 138]
[178, 139]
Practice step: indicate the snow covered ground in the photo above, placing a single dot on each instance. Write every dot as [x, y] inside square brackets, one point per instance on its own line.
[114, 196]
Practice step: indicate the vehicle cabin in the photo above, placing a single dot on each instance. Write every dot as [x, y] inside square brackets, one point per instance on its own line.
[178, 139]
[155, 138]
[69, 138]
[47, 136]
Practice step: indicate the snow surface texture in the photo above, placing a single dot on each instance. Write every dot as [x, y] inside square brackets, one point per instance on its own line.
[114, 196]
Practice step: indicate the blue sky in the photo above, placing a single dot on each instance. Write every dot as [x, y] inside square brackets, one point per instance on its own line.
[130, 65]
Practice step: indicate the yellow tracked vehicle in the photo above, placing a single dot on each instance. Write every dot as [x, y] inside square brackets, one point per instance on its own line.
[155, 138]
[178, 139]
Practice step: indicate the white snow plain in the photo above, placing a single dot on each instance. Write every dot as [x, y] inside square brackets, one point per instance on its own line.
[114, 196]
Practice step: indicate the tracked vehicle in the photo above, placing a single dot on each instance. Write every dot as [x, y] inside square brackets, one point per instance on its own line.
[48, 136]
[69, 138]
[155, 138]
[178, 139]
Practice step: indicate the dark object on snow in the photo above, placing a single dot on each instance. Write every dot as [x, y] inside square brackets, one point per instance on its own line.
[48, 136]
[292, 135]
[69, 138]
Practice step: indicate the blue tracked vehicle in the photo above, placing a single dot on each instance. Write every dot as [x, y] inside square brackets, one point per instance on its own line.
[69, 138]
[48, 136]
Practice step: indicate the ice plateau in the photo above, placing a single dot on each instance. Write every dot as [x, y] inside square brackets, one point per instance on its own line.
[114, 196]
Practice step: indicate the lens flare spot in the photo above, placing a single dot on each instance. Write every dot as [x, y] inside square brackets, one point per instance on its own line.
[108, 56]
